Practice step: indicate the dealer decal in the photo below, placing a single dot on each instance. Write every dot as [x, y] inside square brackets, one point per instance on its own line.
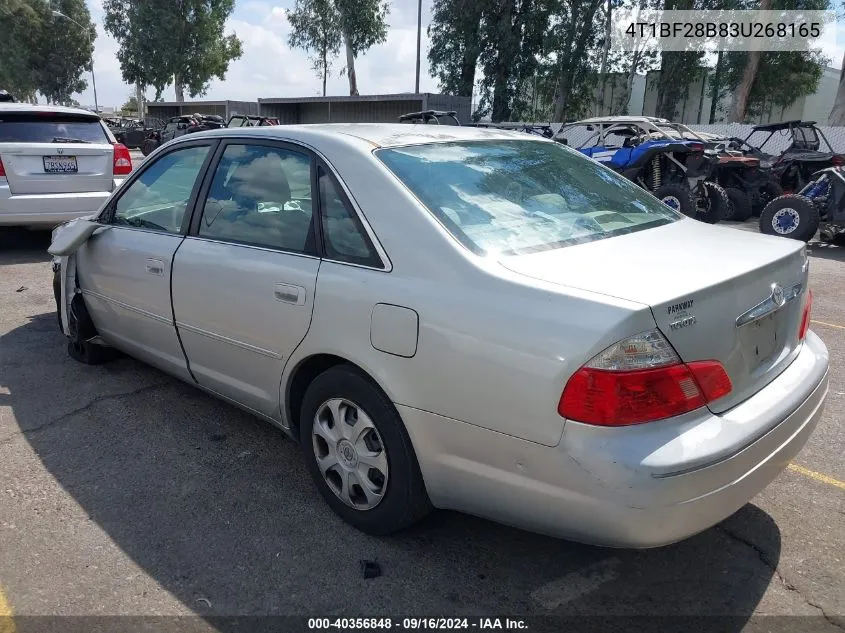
[683, 306]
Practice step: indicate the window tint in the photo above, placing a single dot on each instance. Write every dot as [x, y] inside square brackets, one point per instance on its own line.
[158, 198]
[515, 197]
[344, 237]
[50, 128]
[261, 195]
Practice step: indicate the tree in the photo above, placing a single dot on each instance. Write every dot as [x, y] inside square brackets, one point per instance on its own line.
[19, 70]
[131, 104]
[42, 53]
[315, 28]
[180, 41]
[67, 48]
[363, 23]
[455, 35]
[749, 72]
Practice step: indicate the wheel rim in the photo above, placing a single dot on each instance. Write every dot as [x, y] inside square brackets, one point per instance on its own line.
[785, 221]
[672, 202]
[350, 453]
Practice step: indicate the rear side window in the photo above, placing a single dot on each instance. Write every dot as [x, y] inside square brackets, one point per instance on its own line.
[50, 128]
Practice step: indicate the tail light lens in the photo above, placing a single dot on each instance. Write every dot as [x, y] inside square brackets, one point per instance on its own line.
[2, 169]
[122, 160]
[805, 316]
[837, 160]
[638, 380]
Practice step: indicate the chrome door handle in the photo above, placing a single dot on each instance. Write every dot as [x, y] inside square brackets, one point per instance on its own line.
[289, 294]
[155, 267]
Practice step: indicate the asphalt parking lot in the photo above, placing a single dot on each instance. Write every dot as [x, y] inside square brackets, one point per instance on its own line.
[126, 492]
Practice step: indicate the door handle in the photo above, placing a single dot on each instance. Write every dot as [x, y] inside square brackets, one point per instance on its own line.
[155, 267]
[289, 294]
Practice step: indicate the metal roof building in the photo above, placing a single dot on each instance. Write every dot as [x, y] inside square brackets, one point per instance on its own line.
[361, 108]
[163, 110]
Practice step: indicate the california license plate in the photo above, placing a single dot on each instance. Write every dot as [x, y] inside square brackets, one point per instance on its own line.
[60, 165]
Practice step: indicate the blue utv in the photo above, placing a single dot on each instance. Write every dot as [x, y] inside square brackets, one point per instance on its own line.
[673, 168]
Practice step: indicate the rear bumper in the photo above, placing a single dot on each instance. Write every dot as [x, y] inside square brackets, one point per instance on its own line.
[637, 487]
[48, 210]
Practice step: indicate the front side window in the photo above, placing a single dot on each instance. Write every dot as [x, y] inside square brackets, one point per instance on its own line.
[158, 199]
[261, 195]
[516, 197]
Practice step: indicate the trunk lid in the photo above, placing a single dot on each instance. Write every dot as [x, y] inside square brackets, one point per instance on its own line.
[698, 281]
[55, 152]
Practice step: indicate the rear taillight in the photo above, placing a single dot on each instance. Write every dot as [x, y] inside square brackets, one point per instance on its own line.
[638, 380]
[122, 160]
[837, 160]
[805, 316]
[2, 169]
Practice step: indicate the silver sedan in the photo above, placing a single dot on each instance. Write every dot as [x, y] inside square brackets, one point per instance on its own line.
[459, 318]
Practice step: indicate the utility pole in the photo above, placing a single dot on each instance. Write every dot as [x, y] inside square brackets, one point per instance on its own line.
[419, 35]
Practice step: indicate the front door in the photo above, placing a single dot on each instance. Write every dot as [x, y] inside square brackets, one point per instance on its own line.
[124, 270]
[244, 279]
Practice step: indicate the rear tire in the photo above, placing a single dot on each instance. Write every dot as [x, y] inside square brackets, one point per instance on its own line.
[765, 191]
[391, 472]
[149, 146]
[677, 197]
[740, 207]
[791, 216]
[714, 203]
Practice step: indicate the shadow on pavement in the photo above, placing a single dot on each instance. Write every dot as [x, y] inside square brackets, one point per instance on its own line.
[20, 246]
[218, 508]
[827, 250]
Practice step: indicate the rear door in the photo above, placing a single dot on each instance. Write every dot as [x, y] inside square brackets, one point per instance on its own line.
[55, 152]
[124, 271]
[245, 277]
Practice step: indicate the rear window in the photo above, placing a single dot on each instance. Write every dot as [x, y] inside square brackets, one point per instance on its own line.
[50, 128]
[516, 197]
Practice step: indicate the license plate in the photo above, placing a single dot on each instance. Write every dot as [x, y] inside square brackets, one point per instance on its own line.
[60, 165]
[763, 337]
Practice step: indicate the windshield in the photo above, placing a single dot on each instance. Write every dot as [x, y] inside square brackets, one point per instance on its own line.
[515, 197]
[50, 128]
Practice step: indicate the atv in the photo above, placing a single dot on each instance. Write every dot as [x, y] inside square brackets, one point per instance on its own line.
[673, 169]
[251, 120]
[802, 158]
[431, 117]
[819, 205]
[132, 133]
[179, 126]
[749, 186]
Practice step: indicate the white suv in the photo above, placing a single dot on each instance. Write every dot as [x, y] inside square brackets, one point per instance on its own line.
[56, 164]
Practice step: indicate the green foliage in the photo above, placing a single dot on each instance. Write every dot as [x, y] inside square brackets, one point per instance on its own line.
[43, 53]
[131, 104]
[315, 28]
[321, 27]
[364, 22]
[455, 44]
[179, 41]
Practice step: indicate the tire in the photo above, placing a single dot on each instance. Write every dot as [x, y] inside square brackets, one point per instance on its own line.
[791, 216]
[678, 197]
[765, 191]
[398, 496]
[80, 330]
[57, 293]
[149, 145]
[740, 205]
[714, 205]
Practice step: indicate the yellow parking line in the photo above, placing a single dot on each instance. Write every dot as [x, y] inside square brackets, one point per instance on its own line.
[7, 624]
[820, 477]
[838, 327]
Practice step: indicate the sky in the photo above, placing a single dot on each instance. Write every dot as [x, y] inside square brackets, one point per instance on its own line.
[270, 68]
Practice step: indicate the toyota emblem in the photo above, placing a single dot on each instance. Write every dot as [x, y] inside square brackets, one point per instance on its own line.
[777, 295]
